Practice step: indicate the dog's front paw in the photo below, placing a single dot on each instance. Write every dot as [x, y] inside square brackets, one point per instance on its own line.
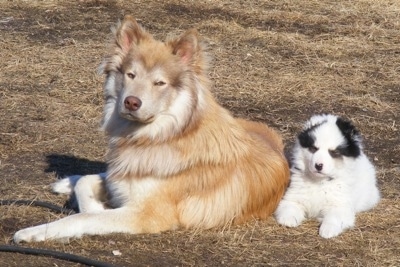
[38, 234]
[329, 230]
[65, 185]
[31, 234]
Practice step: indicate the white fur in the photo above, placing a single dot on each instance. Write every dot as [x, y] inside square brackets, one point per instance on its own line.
[93, 217]
[161, 160]
[170, 121]
[104, 222]
[344, 187]
[132, 193]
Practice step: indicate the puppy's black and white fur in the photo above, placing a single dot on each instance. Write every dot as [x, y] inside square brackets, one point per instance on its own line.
[331, 180]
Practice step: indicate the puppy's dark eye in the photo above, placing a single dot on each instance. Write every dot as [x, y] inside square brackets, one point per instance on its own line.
[313, 149]
[131, 75]
[159, 83]
[334, 153]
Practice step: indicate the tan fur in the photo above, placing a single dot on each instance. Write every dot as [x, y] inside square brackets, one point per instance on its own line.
[226, 169]
[180, 160]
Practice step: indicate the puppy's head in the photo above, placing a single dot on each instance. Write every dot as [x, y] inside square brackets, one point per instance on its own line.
[326, 142]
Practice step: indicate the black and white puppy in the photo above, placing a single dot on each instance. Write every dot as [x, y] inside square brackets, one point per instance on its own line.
[331, 178]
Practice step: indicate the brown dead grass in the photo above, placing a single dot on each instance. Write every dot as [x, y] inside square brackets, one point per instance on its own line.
[274, 61]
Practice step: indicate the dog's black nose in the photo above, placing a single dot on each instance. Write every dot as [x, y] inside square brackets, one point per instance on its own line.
[319, 166]
[132, 103]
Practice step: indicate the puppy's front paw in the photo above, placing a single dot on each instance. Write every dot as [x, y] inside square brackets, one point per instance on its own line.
[289, 216]
[289, 221]
[329, 230]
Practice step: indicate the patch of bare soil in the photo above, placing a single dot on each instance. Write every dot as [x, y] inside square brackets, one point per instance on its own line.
[274, 61]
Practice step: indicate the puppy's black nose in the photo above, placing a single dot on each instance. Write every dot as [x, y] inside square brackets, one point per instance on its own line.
[132, 103]
[319, 166]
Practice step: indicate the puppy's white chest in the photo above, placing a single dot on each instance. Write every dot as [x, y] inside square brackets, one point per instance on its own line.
[326, 194]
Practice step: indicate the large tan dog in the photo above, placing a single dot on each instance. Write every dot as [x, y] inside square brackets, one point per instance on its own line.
[176, 158]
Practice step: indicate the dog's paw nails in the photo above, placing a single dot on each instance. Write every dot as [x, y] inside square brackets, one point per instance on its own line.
[329, 230]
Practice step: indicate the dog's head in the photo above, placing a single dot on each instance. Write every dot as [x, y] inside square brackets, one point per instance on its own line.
[326, 142]
[152, 82]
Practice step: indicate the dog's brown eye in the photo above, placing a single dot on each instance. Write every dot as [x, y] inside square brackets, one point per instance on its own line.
[131, 75]
[313, 149]
[159, 83]
[334, 153]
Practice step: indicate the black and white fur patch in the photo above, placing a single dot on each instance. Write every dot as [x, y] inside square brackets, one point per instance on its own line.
[352, 145]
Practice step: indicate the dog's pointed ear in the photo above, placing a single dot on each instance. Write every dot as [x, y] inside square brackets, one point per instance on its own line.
[129, 32]
[187, 46]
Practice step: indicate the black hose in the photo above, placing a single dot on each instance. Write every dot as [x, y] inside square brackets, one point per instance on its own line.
[54, 254]
[42, 204]
[46, 252]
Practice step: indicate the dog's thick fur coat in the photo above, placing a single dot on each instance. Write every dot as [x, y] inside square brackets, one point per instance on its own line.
[176, 158]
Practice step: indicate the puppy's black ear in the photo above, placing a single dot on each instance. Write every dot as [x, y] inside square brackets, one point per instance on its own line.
[306, 139]
[347, 128]
[352, 148]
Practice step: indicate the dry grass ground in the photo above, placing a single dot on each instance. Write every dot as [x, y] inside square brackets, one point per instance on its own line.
[274, 61]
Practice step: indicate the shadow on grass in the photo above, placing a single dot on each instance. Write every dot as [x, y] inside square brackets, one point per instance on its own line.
[66, 165]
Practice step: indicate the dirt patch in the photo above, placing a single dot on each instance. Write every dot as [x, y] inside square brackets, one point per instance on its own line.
[275, 62]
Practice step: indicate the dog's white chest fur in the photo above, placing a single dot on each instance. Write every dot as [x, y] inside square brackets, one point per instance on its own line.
[131, 192]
